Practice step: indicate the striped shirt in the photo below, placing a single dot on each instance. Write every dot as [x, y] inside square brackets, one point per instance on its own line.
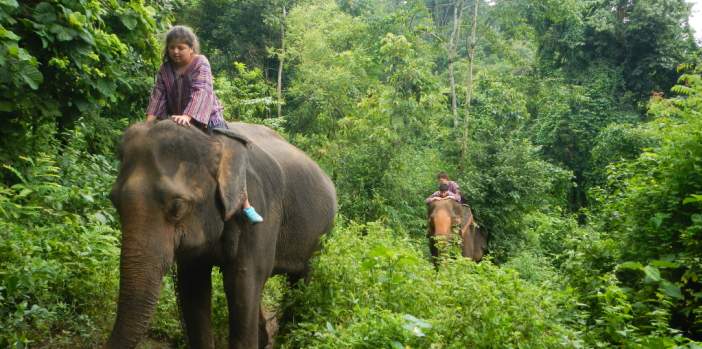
[189, 93]
[453, 189]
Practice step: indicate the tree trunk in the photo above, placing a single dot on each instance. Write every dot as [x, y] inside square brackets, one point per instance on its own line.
[455, 34]
[281, 57]
[469, 83]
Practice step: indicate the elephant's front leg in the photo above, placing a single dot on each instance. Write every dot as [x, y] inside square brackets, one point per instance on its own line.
[243, 284]
[195, 293]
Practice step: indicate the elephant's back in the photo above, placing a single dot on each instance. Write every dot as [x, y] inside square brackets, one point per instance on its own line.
[273, 144]
[301, 173]
[309, 197]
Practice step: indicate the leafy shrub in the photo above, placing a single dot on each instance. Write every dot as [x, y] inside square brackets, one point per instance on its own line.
[408, 180]
[504, 182]
[58, 250]
[372, 287]
[60, 60]
[246, 94]
[651, 206]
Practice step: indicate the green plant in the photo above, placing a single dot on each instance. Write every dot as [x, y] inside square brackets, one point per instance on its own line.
[58, 250]
[373, 287]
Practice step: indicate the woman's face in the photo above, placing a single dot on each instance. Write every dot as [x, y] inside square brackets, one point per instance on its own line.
[180, 53]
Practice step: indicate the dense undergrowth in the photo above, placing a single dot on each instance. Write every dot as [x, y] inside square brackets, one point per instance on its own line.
[577, 157]
[59, 249]
[374, 287]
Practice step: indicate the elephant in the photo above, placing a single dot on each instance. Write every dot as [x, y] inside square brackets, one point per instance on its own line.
[442, 216]
[179, 195]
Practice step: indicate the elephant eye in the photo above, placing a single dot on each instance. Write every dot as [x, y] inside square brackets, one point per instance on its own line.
[177, 208]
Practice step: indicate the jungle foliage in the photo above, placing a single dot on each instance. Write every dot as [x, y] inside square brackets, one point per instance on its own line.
[580, 153]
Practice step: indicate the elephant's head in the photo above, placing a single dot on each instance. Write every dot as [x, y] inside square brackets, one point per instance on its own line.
[443, 215]
[176, 187]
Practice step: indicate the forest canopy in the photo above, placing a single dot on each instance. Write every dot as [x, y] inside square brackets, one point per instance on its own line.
[573, 127]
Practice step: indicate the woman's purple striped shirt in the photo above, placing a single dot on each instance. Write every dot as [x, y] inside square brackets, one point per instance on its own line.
[190, 93]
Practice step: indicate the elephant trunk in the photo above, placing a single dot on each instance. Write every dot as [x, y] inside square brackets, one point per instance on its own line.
[441, 220]
[142, 267]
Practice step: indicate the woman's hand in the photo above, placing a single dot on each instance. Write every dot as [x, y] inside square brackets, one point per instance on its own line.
[183, 120]
[150, 118]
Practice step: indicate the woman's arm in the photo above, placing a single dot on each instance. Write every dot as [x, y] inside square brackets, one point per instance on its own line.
[202, 98]
[157, 101]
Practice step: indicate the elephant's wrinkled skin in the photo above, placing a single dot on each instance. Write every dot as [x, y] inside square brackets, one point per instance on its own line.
[442, 216]
[179, 194]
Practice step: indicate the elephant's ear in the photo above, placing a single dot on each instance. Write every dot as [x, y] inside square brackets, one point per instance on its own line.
[231, 175]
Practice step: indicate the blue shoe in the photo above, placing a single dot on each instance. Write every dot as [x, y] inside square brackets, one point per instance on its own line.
[252, 215]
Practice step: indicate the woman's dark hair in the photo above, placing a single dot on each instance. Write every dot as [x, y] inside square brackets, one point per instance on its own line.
[441, 175]
[181, 34]
[443, 187]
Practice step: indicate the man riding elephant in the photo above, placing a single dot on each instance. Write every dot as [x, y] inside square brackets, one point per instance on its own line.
[442, 194]
[444, 212]
[443, 178]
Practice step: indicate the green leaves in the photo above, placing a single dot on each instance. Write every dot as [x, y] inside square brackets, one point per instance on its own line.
[94, 62]
[62, 33]
[652, 274]
[22, 64]
[59, 249]
[671, 290]
[31, 75]
[129, 21]
[460, 305]
[4, 33]
[9, 3]
[694, 198]
[44, 13]
[76, 19]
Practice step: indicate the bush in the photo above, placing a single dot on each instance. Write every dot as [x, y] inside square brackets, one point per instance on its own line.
[372, 287]
[652, 208]
[58, 250]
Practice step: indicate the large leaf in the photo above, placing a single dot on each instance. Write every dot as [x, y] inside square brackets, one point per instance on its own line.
[652, 274]
[664, 264]
[671, 290]
[692, 199]
[76, 19]
[45, 13]
[106, 87]
[129, 21]
[9, 3]
[7, 34]
[631, 266]
[31, 75]
[87, 37]
[62, 33]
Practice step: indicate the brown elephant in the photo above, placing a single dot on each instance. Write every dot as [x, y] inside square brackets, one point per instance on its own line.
[443, 215]
[179, 194]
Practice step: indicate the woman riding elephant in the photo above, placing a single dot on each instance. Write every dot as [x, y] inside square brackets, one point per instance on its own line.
[184, 91]
[179, 195]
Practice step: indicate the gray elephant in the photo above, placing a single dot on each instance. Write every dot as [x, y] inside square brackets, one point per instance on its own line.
[179, 194]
